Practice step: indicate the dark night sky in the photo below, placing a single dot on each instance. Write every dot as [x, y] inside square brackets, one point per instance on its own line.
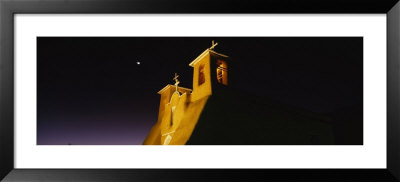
[92, 91]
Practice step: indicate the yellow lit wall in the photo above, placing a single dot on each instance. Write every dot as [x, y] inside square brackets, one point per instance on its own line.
[179, 112]
[203, 90]
[154, 136]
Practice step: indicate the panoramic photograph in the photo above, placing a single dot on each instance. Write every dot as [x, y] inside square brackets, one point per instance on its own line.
[199, 91]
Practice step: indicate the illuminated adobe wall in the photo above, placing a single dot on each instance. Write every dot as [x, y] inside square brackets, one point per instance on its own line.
[180, 112]
[154, 136]
[200, 89]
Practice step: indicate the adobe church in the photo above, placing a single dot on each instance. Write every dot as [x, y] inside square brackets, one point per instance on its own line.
[212, 113]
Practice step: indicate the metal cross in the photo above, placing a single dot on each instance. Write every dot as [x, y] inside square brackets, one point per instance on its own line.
[176, 79]
[176, 82]
[213, 45]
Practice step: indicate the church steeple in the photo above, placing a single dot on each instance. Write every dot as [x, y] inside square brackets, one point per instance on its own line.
[210, 72]
[178, 104]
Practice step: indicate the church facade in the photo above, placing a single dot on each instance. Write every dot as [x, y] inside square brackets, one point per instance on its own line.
[211, 113]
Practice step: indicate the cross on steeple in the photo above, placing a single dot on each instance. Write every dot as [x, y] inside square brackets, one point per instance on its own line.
[176, 82]
[176, 79]
[213, 45]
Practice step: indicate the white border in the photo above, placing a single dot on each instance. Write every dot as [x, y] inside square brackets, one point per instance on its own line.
[371, 155]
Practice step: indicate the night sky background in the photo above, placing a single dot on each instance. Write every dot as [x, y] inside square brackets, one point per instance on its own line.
[92, 91]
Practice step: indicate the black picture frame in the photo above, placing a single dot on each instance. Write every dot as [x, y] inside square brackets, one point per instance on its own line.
[8, 8]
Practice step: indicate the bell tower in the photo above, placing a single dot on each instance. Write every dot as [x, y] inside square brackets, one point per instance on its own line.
[180, 108]
[210, 73]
